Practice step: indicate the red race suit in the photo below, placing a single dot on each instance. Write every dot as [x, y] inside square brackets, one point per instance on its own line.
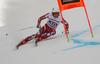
[48, 29]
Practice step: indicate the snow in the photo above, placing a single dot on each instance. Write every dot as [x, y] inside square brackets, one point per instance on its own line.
[19, 14]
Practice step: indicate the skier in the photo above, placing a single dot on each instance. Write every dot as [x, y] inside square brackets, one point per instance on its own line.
[49, 29]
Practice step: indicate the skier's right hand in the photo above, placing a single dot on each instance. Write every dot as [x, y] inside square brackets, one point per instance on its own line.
[38, 25]
[67, 31]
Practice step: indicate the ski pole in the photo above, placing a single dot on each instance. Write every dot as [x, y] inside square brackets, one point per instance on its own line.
[21, 29]
[27, 28]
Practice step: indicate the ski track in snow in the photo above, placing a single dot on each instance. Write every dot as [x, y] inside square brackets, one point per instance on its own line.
[78, 41]
[82, 48]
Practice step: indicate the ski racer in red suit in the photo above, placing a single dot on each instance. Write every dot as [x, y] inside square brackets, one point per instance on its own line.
[49, 29]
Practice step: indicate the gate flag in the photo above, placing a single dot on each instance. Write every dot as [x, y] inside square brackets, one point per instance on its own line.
[68, 4]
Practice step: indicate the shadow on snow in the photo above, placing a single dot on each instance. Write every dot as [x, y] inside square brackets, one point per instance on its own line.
[84, 43]
[81, 42]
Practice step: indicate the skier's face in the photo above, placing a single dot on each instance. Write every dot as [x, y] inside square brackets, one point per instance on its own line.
[56, 14]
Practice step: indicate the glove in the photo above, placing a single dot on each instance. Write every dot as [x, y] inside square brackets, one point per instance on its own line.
[67, 31]
[38, 25]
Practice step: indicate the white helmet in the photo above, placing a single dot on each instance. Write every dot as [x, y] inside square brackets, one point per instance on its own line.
[54, 10]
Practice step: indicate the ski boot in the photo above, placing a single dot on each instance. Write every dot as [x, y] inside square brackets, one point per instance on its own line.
[36, 42]
[21, 43]
[18, 45]
[38, 39]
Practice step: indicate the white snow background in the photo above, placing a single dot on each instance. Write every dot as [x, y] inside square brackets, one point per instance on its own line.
[19, 14]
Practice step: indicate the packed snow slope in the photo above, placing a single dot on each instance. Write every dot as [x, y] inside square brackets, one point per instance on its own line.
[20, 14]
